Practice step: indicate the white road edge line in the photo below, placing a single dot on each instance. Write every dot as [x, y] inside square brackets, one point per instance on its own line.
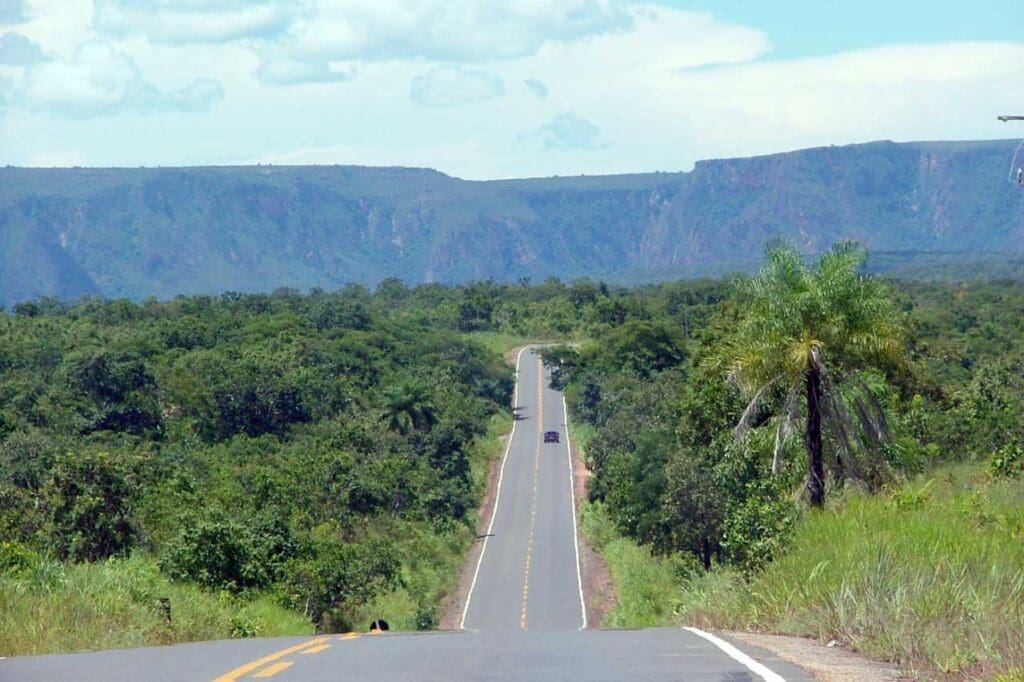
[572, 505]
[738, 656]
[497, 495]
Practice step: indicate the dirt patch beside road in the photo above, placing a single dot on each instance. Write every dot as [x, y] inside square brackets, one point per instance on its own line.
[598, 588]
[827, 663]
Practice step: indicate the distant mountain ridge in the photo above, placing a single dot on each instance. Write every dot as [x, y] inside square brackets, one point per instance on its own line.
[169, 231]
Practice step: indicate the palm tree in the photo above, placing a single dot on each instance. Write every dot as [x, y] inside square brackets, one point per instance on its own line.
[409, 407]
[799, 326]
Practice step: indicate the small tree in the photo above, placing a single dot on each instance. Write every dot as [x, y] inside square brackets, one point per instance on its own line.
[89, 496]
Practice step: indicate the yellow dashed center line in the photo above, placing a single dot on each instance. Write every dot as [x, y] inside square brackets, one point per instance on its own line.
[274, 669]
[315, 649]
[533, 502]
[241, 670]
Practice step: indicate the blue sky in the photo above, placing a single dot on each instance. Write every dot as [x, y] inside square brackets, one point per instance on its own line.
[802, 28]
[495, 88]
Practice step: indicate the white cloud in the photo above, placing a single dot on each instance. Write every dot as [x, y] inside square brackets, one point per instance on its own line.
[17, 50]
[458, 30]
[100, 80]
[565, 132]
[665, 86]
[200, 95]
[451, 85]
[536, 88]
[293, 72]
[896, 92]
[194, 21]
[304, 37]
[12, 11]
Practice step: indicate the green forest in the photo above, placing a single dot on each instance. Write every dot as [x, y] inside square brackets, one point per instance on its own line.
[259, 464]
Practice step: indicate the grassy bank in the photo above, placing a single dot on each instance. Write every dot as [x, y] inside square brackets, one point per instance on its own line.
[645, 586]
[930, 576]
[500, 343]
[46, 607]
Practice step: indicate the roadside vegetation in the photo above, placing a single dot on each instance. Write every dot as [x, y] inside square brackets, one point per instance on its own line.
[701, 499]
[927, 574]
[315, 460]
[258, 464]
[50, 606]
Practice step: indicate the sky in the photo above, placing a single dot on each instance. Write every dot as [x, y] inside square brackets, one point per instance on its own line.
[484, 89]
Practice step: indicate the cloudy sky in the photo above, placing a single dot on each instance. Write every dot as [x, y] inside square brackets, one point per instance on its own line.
[496, 88]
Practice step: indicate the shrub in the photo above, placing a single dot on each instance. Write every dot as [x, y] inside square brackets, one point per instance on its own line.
[89, 497]
[1007, 462]
[216, 553]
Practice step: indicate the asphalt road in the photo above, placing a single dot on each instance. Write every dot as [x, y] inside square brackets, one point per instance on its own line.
[528, 577]
[524, 618]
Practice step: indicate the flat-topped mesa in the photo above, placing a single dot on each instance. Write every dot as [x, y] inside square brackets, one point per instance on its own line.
[168, 231]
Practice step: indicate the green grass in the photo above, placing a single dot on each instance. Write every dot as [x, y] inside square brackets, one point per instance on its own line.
[500, 343]
[1012, 676]
[48, 607]
[930, 576]
[643, 584]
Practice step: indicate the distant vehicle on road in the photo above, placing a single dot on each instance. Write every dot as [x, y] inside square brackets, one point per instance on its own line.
[551, 436]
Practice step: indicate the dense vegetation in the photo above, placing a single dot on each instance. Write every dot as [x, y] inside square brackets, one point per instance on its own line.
[933, 207]
[313, 449]
[324, 452]
[688, 466]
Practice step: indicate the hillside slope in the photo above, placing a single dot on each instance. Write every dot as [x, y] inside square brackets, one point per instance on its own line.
[141, 232]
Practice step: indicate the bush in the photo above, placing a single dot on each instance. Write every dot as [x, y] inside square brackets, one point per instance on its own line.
[89, 498]
[1008, 462]
[338, 577]
[15, 558]
[216, 553]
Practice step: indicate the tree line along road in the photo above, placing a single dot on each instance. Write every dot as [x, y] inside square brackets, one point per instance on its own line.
[524, 618]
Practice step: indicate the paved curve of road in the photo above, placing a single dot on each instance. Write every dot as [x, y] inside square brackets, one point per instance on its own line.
[523, 618]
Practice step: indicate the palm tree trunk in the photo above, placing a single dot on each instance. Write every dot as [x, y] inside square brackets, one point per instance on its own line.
[812, 440]
[705, 553]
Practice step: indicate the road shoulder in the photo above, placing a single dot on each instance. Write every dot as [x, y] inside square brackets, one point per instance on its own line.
[598, 588]
[828, 664]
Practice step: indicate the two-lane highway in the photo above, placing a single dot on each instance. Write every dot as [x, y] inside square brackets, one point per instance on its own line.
[523, 619]
[528, 573]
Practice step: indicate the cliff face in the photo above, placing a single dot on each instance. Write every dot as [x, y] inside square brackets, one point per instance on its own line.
[141, 232]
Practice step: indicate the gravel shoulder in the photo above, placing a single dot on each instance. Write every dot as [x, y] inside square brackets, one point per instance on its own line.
[598, 589]
[826, 663]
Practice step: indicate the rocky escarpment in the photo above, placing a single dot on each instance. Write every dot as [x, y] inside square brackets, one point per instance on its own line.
[162, 232]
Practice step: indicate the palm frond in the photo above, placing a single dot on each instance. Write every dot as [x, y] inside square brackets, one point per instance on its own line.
[743, 426]
[785, 428]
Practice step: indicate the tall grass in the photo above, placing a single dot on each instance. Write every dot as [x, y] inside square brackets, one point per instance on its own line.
[931, 576]
[46, 607]
[645, 585]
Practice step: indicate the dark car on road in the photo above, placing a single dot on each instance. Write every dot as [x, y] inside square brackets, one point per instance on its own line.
[551, 436]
